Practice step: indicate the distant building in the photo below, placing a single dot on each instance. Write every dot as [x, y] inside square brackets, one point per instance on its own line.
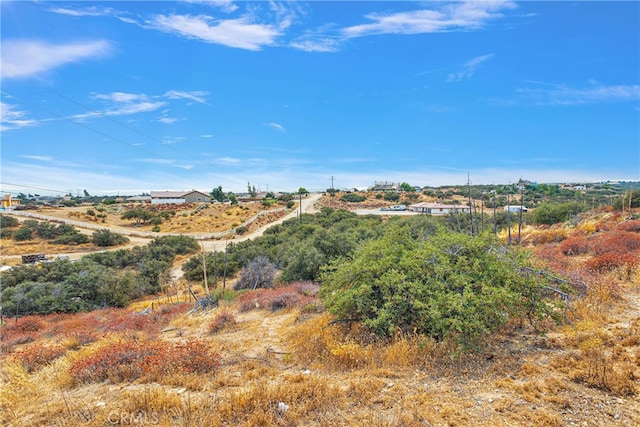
[385, 186]
[178, 197]
[515, 208]
[438, 208]
[138, 199]
[9, 202]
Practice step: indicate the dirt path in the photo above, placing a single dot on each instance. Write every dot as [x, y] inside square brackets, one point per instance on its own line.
[136, 240]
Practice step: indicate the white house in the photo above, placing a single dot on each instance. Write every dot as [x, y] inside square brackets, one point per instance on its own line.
[178, 197]
[515, 208]
[438, 208]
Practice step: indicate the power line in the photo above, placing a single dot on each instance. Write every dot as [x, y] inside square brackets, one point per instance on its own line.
[188, 155]
[76, 123]
[33, 188]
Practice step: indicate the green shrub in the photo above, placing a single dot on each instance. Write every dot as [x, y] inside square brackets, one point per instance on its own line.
[7, 221]
[107, 238]
[352, 198]
[391, 196]
[449, 286]
[71, 239]
[23, 233]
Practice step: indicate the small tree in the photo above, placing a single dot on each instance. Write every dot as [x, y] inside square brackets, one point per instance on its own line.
[406, 187]
[251, 189]
[218, 194]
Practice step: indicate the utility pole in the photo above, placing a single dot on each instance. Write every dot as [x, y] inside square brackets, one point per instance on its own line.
[521, 209]
[495, 219]
[470, 205]
[300, 208]
[204, 269]
[224, 274]
[509, 215]
[332, 190]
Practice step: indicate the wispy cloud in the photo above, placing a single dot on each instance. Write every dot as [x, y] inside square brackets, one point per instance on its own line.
[40, 158]
[229, 160]
[313, 44]
[84, 11]
[206, 136]
[239, 33]
[469, 68]
[28, 58]
[168, 120]
[168, 162]
[277, 127]
[194, 95]
[12, 118]
[224, 5]
[121, 96]
[595, 93]
[456, 16]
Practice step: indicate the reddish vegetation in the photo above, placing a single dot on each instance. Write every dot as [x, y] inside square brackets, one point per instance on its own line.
[614, 247]
[129, 360]
[221, 321]
[38, 355]
[294, 295]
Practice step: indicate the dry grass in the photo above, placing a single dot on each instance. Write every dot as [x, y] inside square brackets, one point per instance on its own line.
[294, 367]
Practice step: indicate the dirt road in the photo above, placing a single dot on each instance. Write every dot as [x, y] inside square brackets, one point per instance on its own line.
[136, 240]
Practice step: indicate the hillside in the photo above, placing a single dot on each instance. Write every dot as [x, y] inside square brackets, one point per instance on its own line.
[274, 357]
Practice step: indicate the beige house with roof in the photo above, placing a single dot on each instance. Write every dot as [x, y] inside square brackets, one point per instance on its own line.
[178, 197]
[438, 208]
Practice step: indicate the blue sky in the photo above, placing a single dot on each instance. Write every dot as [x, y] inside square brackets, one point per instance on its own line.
[129, 97]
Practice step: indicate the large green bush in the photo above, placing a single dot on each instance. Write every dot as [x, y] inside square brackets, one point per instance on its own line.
[552, 213]
[447, 286]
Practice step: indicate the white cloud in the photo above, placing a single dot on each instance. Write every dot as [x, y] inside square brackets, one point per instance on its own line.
[469, 68]
[194, 95]
[206, 136]
[322, 44]
[28, 58]
[229, 160]
[454, 16]
[11, 118]
[596, 93]
[224, 5]
[121, 97]
[168, 120]
[85, 11]
[238, 33]
[40, 158]
[277, 127]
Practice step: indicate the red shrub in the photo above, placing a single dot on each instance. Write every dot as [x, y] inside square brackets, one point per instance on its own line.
[575, 246]
[124, 320]
[221, 321]
[249, 300]
[169, 311]
[620, 242]
[9, 345]
[296, 295]
[38, 355]
[631, 226]
[127, 361]
[612, 261]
